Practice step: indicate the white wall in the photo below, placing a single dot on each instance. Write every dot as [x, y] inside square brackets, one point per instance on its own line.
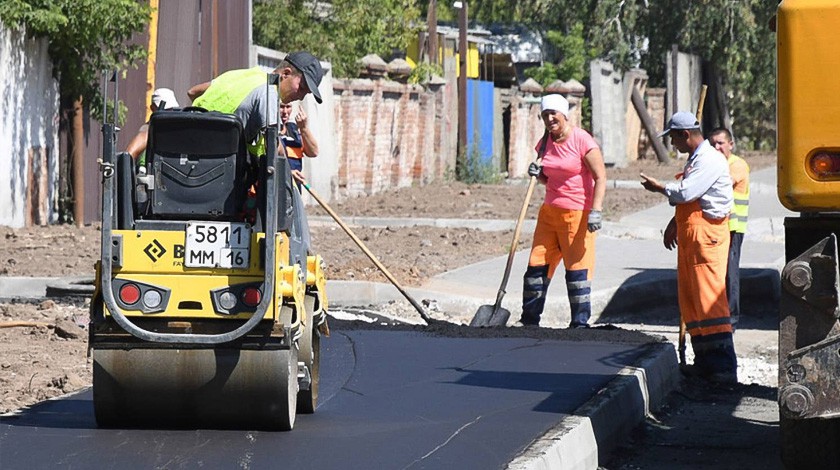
[28, 131]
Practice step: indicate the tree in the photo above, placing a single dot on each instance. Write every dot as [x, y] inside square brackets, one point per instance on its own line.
[85, 37]
[631, 33]
[342, 32]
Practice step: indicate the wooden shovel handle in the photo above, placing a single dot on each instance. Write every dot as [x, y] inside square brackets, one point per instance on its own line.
[369, 254]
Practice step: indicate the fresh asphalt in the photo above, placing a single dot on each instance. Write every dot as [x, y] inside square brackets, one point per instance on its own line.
[414, 399]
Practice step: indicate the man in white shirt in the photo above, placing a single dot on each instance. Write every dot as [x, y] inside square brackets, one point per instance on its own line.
[700, 231]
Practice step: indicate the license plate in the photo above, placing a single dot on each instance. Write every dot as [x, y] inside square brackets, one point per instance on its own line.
[217, 245]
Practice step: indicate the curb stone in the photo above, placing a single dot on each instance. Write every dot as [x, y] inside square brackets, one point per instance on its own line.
[588, 436]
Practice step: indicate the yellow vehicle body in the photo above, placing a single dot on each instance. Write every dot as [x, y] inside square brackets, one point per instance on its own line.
[808, 137]
[157, 258]
[808, 101]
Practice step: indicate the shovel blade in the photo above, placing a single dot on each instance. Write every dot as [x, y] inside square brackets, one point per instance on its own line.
[489, 315]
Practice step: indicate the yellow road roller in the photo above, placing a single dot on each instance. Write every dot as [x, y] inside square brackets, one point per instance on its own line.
[209, 306]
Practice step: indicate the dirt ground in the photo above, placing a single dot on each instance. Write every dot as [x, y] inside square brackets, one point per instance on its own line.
[48, 358]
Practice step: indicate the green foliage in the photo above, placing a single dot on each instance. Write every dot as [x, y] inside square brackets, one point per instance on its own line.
[350, 30]
[471, 169]
[575, 56]
[545, 74]
[731, 34]
[85, 37]
[423, 72]
[574, 60]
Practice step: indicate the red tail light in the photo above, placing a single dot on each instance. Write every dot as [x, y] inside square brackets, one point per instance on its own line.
[824, 165]
[251, 296]
[129, 294]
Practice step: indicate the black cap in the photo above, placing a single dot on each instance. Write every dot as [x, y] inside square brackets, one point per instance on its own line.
[310, 66]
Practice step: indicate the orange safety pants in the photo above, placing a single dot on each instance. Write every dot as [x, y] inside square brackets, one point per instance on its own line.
[702, 257]
[561, 234]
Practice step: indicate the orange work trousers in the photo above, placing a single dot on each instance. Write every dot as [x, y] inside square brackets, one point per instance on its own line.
[562, 234]
[702, 256]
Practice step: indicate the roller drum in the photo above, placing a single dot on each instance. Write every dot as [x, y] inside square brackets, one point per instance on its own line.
[195, 388]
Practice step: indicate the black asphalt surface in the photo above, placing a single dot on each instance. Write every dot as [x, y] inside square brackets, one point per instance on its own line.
[390, 399]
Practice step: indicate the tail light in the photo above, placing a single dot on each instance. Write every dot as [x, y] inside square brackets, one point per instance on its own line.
[152, 299]
[251, 296]
[129, 294]
[824, 165]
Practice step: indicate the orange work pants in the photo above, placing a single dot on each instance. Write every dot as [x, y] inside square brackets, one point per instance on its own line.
[562, 234]
[702, 256]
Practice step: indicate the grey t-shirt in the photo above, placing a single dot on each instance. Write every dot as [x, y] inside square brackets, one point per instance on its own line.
[253, 108]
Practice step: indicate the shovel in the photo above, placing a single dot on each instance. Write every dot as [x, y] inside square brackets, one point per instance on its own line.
[429, 320]
[495, 315]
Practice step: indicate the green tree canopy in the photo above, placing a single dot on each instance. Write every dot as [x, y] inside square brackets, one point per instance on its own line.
[731, 34]
[341, 32]
[85, 37]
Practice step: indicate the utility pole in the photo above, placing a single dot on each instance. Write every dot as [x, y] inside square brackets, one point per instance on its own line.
[462, 80]
[431, 41]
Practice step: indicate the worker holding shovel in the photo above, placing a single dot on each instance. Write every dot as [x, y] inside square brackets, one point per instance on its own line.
[571, 166]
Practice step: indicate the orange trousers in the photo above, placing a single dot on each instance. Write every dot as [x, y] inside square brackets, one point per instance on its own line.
[702, 256]
[562, 234]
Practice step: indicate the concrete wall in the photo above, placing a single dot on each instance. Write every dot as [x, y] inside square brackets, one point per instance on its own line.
[609, 111]
[685, 80]
[28, 132]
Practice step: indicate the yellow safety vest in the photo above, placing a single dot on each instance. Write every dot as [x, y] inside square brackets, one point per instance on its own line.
[740, 172]
[228, 91]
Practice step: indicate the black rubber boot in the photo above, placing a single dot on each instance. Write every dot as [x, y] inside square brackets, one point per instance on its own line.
[533, 294]
[579, 289]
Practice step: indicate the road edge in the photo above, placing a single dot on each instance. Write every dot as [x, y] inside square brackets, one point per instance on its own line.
[587, 437]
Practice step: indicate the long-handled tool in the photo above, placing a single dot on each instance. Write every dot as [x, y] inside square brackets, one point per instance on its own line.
[429, 320]
[681, 339]
[495, 315]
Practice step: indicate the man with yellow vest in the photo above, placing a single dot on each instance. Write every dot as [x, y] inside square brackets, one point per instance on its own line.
[243, 93]
[739, 171]
[700, 229]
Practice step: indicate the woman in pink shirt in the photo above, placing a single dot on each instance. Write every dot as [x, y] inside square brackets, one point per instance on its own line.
[575, 178]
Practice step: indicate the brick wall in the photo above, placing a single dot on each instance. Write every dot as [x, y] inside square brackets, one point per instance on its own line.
[389, 135]
[392, 135]
[655, 99]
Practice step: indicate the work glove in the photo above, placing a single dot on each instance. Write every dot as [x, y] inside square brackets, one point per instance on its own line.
[534, 170]
[594, 221]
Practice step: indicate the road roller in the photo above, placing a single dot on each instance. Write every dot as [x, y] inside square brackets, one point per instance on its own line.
[209, 304]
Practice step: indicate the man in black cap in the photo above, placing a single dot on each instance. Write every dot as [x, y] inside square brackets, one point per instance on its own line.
[244, 93]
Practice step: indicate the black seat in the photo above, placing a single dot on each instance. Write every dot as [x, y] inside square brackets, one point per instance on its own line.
[200, 165]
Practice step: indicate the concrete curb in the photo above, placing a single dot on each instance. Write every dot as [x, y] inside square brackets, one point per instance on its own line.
[582, 440]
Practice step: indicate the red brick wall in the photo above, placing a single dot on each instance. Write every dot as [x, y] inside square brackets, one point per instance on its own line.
[389, 135]
[393, 135]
